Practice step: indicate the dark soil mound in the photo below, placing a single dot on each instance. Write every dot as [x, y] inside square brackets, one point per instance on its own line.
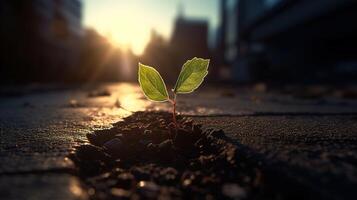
[145, 156]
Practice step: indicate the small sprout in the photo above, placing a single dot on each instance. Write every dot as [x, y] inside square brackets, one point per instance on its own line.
[152, 84]
[191, 76]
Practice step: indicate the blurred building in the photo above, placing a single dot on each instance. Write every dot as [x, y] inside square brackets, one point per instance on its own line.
[100, 61]
[298, 40]
[40, 39]
[158, 54]
[189, 39]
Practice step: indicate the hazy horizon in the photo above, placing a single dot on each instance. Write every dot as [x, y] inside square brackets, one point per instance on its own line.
[128, 24]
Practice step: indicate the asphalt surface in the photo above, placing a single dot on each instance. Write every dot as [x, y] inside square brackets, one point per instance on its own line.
[318, 152]
[312, 141]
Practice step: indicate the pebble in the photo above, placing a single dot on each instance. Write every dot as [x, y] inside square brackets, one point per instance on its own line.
[185, 140]
[233, 191]
[165, 146]
[148, 189]
[147, 132]
[125, 180]
[114, 146]
[169, 174]
[217, 133]
[120, 193]
[90, 152]
[99, 137]
[140, 173]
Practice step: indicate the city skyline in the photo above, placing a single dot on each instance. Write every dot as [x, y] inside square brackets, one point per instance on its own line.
[110, 18]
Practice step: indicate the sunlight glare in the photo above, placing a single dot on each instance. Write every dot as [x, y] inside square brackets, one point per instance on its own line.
[129, 36]
[124, 26]
[129, 23]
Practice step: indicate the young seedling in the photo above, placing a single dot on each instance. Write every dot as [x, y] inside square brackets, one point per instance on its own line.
[191, 76]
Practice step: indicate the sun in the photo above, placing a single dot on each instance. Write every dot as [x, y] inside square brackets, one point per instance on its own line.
[128, 36]
[122, 28]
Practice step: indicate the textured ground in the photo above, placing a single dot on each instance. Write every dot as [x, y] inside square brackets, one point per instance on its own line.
[311, 139]
[317, 151]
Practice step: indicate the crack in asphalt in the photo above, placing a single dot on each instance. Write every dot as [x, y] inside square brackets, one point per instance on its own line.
[41, 172]
[270, 114]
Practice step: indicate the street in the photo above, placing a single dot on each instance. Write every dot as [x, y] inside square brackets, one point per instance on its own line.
[311, 141]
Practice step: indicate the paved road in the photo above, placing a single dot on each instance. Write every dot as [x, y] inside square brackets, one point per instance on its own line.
[38, 130]
[314, 137]
[319, 152]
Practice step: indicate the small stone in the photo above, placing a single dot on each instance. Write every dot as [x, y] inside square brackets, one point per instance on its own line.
[206, 160]
[210, 181]
[125, 180]
[260, 87]
[114, 146]
[228, 94]
[100, 137]
[197, 128]
[99, 93]
[217, 133]
[148, 189]
[188, 123]
[117, 103]
[90, 152]
[140, 173]
[152, 146]
[169, 174]
[165, 151]
[91, 137]
[185, 141]
[231, 154]
[169, 193]
[194, 164]
[91, 191]
[165, 145]
[189, 178]
[172, 127]
[147, 132]
[120, 193]
[105, 175]
[233, 191]
[117, 171]
[144, 142]
[186, 182]
[153, 125]
[73, 103]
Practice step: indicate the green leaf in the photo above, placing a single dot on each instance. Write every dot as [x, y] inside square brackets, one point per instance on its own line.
[152, 84]
[191, 76]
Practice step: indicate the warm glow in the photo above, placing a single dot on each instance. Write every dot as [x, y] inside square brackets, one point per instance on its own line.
[128, 23]
[75, 188]
[129, 37]
[126, 35]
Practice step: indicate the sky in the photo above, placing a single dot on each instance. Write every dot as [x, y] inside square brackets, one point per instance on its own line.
[128, 23]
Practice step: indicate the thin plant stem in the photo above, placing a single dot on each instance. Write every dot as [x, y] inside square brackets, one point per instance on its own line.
[173, 102]
[174, 111]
